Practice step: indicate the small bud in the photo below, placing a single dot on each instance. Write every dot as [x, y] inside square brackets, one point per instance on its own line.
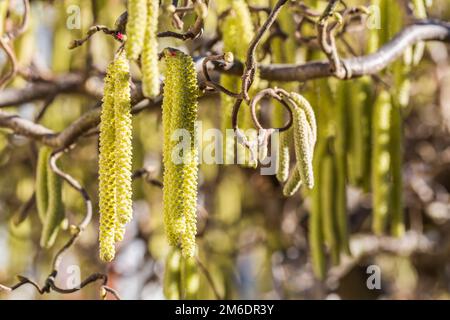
[228, 57]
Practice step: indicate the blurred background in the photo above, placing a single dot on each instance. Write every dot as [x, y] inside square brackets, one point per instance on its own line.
[252, 241]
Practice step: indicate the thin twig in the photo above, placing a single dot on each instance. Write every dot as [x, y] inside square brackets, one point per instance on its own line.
[208, 278]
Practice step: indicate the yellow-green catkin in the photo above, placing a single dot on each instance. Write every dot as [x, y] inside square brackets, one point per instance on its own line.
[396, 148]
[55, 210]
[368, 91]
[136, 28]
[283, 154]
[420, 12]
[48, 198]
[181, 277]
[283, 51]
[41, 182]
[238, 32]
[3, 10]
[381, 161]
[180, 157]
[107, 181]
[293, 183]
[315, 235]
[172, 275]
[305, 137]
[150, 70]
[123, 137]
[328, 210]
[61, 57]
[354, 100]
[115, 194]
[190, 279]
[340, 159]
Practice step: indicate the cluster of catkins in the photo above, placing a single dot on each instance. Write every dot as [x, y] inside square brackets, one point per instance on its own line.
[115, 157]
[179, 113]
[142, 26]
[115, 194]
[305, 137]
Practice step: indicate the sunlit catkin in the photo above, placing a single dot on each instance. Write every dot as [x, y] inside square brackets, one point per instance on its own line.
[136, 27]
[305, 136]
[107, 181]
[381, 161]
[327, 189]
[238, 32]
[150, 71]
[190, 279]
[123, 135]
[315, 235]
[180, 157]
[115, 157]
[3, 11]
[396, 204]
[172, 275]
[293, 183]
[41, 182]
[48, 199]
[55, 210]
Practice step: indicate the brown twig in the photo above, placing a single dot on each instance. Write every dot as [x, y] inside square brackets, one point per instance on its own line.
[226, 58]
[208, 278]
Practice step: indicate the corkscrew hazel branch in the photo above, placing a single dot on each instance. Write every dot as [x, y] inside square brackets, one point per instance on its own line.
[274, 94]
[7, 46]
[226, 58]
[327, 40]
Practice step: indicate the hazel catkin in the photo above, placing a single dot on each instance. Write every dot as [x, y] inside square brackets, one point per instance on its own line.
[381, 161]
[305, 136]
[180, 166]
[150, 71]
[48, 199]
[115, 193]
[136, 27]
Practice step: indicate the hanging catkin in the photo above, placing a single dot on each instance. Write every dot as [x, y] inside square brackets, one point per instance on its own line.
[238, 32]
[340, 159]
[327, 189]
[293, 183]
[150, 71]
[136, 28]
[284, 51]
[396, 149]
[115, 157]
[172, 275]
[41, 182]
[123, 134]
[3, 12]
[305, 135]
[48, 199]
[107, 181]
[55, 210]
[190, 279]
[381, 161]
[180, 170]
[315, 235]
